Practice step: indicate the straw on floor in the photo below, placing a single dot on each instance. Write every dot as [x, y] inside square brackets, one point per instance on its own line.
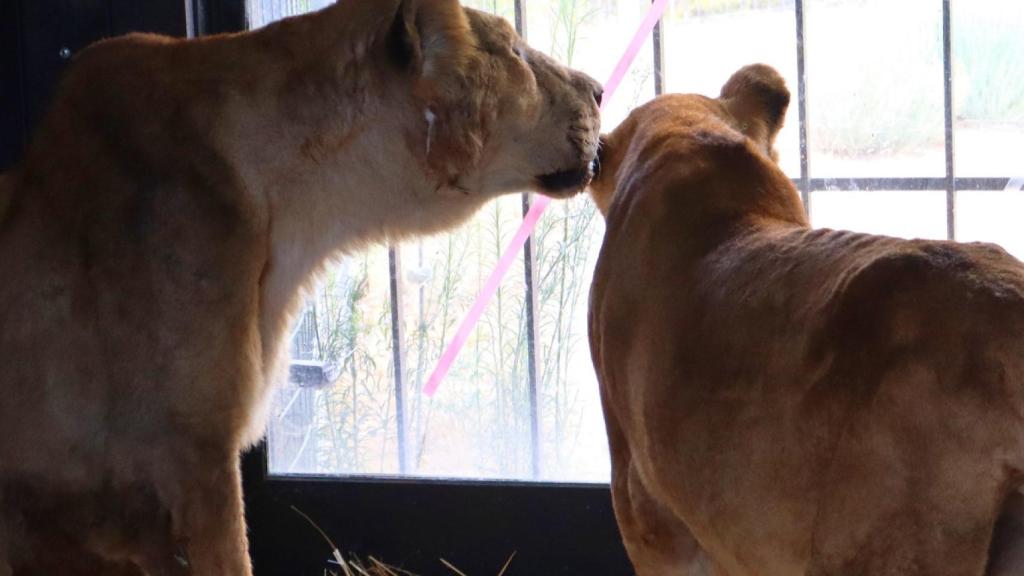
[373, 567]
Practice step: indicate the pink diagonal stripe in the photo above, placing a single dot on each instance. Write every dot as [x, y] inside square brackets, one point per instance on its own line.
[540, 203]
[650, 20]
[488, 291]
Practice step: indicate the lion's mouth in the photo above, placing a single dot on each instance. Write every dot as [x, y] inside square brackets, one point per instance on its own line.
[565, 181]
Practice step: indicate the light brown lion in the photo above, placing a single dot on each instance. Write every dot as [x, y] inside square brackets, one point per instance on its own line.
[176, 199]
[789, 401]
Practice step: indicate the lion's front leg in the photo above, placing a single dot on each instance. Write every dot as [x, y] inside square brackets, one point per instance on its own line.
[658, 542]
[209, 519]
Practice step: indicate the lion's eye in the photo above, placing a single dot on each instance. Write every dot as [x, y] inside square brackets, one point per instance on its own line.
[520, 51]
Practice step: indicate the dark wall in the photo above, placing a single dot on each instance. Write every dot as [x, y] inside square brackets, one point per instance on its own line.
[217, 16]
[12, 116]
[39, 37]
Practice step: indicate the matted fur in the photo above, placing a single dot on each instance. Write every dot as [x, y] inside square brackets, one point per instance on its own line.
[178, 196]
[782, 401]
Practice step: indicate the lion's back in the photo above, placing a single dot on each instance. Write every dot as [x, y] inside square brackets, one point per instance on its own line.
[898, 291]
[797, 309]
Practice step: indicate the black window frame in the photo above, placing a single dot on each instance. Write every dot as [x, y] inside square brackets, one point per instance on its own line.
[539, 511]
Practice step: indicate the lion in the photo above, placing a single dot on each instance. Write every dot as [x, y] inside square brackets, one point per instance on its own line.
[179, 195]
[782, 400]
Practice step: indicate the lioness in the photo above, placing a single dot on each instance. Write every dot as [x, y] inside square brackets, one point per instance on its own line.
[788, 401]
[173, 204]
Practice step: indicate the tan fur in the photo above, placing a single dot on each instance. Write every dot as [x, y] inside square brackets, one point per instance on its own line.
[789, 401]
[175, 201]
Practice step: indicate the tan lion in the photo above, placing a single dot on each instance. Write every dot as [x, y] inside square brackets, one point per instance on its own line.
[788, 401]
[179, 195]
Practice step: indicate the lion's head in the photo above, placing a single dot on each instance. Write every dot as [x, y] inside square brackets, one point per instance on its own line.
[689, 130]
[501, 116]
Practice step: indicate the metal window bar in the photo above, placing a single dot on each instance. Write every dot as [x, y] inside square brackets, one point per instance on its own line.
[804, 183]
[398, 352]
[902, 184]
[947, 82]
[532, 370]
[532, 307]
[659, 59]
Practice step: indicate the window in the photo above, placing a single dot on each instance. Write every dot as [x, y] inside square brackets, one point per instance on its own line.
[907, 119]
[521, 402]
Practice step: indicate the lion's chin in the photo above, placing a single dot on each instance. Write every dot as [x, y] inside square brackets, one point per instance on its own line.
[566, 182]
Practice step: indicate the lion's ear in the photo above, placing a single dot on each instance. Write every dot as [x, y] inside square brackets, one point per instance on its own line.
[433, 42]
[429, 37]
[757, 96]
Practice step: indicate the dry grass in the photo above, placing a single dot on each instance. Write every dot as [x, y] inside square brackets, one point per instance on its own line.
[372, 566]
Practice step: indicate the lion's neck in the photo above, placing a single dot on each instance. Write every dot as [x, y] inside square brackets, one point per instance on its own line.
[704, 187]
[335, 187]
[377, 194]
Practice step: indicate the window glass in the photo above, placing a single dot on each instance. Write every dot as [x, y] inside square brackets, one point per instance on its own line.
[262, 12]
[875, 88]
[591, 35]
[701, 50]
[336, 411]
[504, 8]
[988, 80]
[477, 425]
[574, 445]
[876, 113]
[991, 216]
[903, 213]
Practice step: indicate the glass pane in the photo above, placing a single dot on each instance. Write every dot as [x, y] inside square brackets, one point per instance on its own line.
[988, 80]
[591, 35]
[875, 88]
[262, 12]
[903, 213]
[336, 413]
[701, 51]
[504, 8]
[991, 216]
[477, 425]
[574, 444]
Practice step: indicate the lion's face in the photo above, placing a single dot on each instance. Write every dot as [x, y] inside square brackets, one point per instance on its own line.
[501, 116]
[544, 117]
